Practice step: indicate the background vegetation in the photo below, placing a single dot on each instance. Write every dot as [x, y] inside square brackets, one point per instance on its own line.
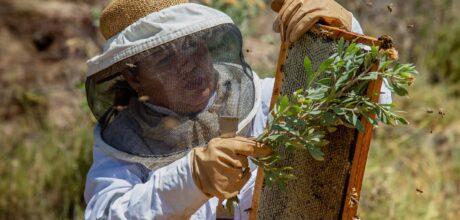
[46, 128]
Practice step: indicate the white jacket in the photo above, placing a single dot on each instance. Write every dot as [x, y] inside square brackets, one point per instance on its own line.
[117, 189]
[120, 190]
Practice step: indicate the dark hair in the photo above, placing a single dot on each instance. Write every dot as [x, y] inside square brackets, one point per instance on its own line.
[122, 94]
[122, 91]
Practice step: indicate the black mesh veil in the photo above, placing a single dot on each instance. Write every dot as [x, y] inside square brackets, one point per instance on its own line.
[170, 98]
[224, 43]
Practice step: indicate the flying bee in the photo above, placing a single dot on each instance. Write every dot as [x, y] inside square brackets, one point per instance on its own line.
[441, 112]
[143, 98]
[370, 4]
[130, 65]
[390, 7]
[419, 190]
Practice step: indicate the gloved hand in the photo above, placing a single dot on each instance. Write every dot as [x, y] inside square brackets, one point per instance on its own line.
[296, 17]
[221, 168]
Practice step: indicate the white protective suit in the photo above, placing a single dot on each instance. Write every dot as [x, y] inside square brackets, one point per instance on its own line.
[118, 189]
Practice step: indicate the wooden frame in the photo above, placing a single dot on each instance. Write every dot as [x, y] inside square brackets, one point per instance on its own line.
[354, 182]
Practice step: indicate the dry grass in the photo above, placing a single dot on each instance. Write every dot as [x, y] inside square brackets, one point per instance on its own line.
[413, 172]
[46, 129]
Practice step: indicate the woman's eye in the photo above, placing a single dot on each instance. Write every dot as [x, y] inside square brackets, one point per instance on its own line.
[190, 46]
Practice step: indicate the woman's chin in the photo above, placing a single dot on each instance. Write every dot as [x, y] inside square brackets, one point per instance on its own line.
[198, 103]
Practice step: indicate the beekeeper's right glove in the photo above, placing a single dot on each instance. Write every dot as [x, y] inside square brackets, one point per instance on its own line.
[221, 168]
[296, 17]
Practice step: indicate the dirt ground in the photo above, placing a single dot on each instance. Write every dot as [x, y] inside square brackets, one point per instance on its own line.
[46, 126]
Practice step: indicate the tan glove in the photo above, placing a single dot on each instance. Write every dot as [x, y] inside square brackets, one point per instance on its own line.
[221, 168]
[296, 17]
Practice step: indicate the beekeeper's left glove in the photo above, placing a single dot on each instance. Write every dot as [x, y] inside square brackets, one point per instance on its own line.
[221, 168]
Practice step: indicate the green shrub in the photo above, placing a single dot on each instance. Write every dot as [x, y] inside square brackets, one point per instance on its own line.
[443, 60]
[239, 11]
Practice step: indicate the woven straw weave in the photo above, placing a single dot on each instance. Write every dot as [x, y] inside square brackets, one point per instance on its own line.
[119, 14]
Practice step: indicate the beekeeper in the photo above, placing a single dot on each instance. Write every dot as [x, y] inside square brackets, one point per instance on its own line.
[170, 91]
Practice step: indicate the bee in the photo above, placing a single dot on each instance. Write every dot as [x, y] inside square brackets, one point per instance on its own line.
[419, 190]
[170, 122]
[120, 107]
[387, 41]
[390, 7]
[143, 98]
[441, 112]
[370, 4]
[130, 65]
[410, 26]
[354, 200]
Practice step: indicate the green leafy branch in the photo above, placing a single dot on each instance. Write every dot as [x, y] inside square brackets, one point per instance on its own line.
[335, 95]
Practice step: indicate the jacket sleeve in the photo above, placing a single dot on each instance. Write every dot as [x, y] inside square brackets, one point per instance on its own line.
[116, 190]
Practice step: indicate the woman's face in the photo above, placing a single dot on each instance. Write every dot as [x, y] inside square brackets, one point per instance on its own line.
[181, 77]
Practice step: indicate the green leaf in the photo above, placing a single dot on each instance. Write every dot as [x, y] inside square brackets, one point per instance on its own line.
[349, 118]
[325, 81]
[318, 93]
[357, 123]
[316, 153]
[345, 77]
[275, 137]
[369, 76]
[402, 120]
[329, 119]
[325, 65]
[331, 129]
[294, 110]
[308, 70]
[340, 46]
[374, 51]
[283, 103]
[339, 111]
[398, 89]
[279, 127]
[316, 112]
[351, 51]
[384, 65]
[290, 147]
[371, 120]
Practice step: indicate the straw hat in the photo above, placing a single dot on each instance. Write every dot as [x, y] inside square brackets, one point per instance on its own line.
[119, 14]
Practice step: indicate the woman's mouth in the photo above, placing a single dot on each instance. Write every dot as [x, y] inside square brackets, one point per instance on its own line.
[196, 80]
